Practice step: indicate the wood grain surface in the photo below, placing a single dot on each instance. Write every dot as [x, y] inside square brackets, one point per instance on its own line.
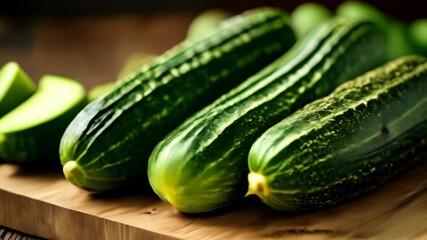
[44, 204]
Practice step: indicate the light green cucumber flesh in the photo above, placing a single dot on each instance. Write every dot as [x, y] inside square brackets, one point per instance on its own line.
[202, 164]
[33, 129]
[111, 139]
[15, 87]
[54, 97]
[346, 144]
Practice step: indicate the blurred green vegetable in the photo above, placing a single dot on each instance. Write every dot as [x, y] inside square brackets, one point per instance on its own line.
[395, 30]
[100, 90]
[398, 43]
[206, 23]
[307, 16]
[363, 11]
[133, 63]
[417, 32]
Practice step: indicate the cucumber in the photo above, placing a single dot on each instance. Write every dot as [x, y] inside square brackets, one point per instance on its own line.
[308, 16]
[346, 144]
[15, 87]
[200, 166]
[108, 144]
[32, 131]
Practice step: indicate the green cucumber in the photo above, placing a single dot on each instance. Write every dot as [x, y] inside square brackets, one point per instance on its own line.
[15, 87]
[108, 144]
[200, 165]
[32, 131]
[348, 143]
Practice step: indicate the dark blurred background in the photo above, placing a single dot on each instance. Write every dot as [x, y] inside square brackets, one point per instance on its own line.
[90, 41]
[408, 9]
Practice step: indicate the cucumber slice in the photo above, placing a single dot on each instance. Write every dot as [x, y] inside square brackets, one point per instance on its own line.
[33, 129]
[15, 87]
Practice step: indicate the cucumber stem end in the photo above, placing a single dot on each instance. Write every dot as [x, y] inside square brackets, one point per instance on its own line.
[74, 173]
[257, 185]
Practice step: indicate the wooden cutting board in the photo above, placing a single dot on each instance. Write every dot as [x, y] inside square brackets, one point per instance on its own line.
[43, 203]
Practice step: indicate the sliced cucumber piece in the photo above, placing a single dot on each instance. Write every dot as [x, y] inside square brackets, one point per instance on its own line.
[33, 130]
[15, 87]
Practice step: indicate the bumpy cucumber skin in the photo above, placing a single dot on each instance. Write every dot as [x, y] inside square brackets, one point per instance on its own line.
[346, 144]
[200, 166]
[112, 138]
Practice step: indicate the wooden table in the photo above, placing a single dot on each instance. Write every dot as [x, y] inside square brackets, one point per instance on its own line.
[43, 203]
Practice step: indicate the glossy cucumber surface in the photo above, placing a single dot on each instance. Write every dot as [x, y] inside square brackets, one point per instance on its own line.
[202, 165]
[350, 142]
[108, 144]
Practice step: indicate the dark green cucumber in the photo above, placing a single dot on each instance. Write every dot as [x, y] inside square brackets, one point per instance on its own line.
[341, 146]
[199, 166]
[108, 144]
